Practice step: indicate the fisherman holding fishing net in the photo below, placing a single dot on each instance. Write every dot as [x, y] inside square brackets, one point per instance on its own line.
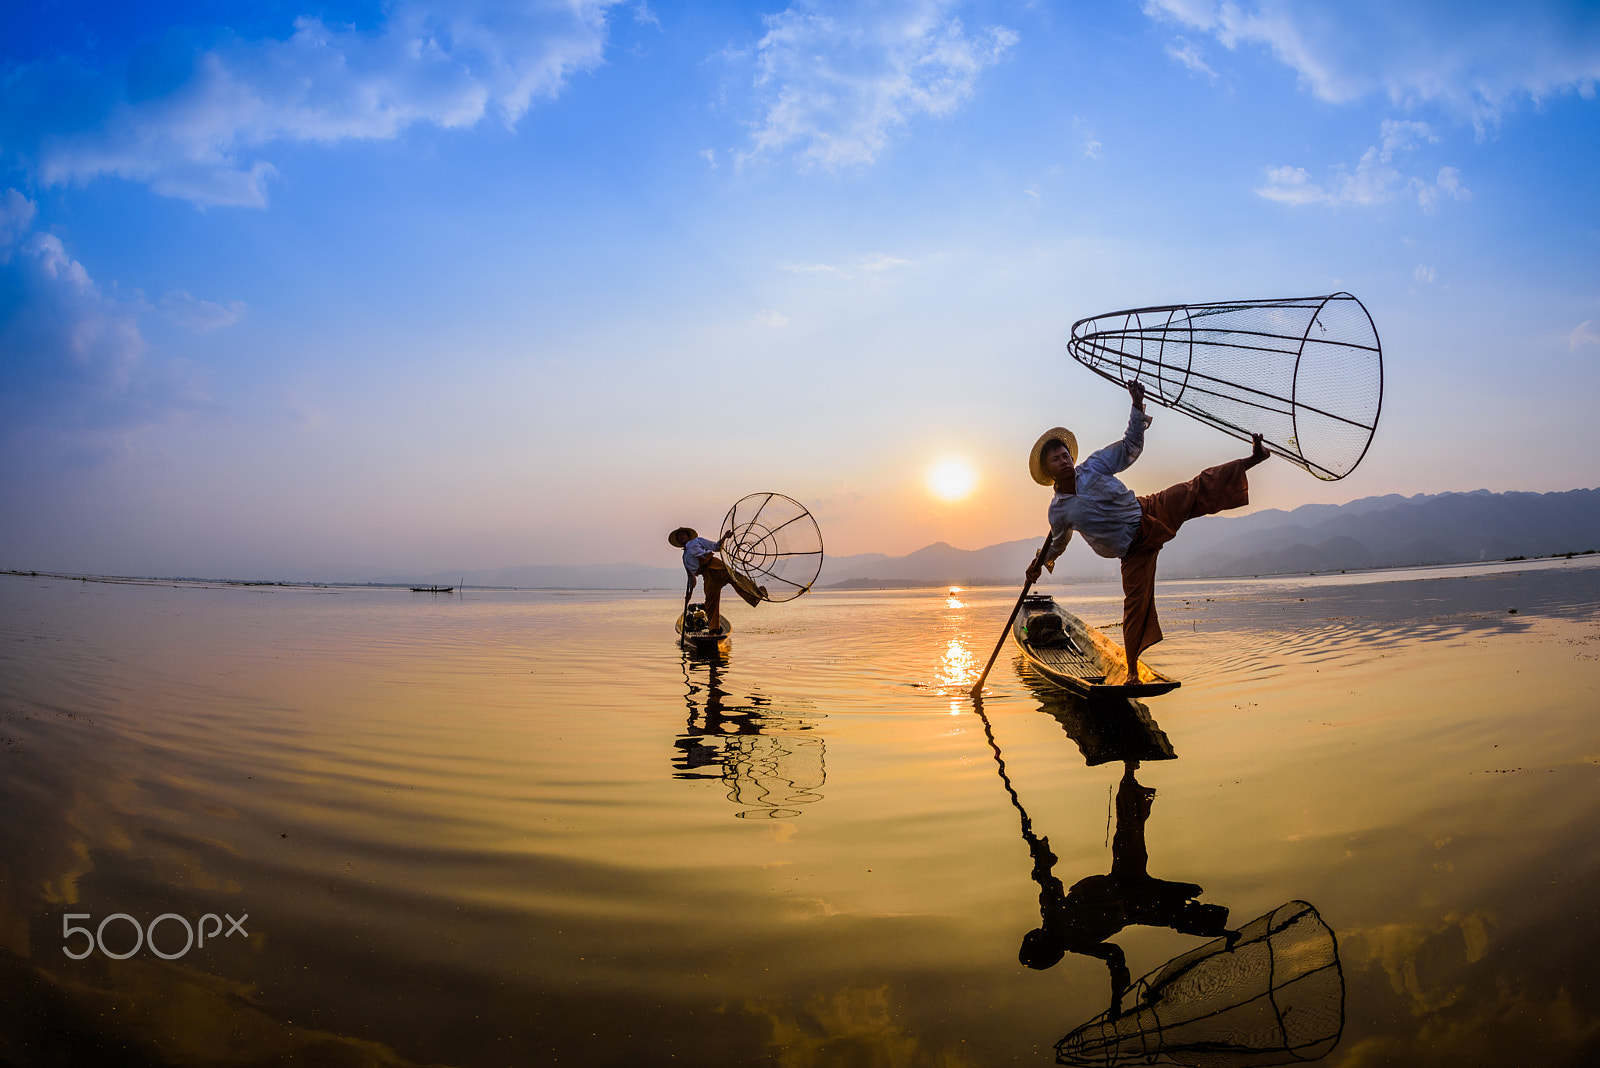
[1297, 377]
[770, 550]
[700, 560]
[1091, 500]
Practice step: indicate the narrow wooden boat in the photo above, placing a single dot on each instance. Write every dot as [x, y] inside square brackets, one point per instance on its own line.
[697, 635]
[433, 589]
[1065, 650]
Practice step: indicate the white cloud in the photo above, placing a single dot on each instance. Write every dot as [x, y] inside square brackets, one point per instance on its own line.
[774, 319]
[879, 262]
[811, 268]
[876, 263]
[1424, 274]
[836, 80]
[446, 63]
[201, 316]
[1472, 57]
[74, 356]
[16, 219]
[1375, 179]
[1187, 52]
[1586, 333]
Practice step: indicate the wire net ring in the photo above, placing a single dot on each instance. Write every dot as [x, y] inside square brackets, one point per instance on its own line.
[774, 544]
[1304, 372]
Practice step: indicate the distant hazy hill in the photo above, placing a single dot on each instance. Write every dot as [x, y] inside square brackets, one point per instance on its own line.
[1390, 531]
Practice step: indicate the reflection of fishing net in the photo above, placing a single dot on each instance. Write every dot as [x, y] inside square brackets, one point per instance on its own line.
[1305, 372]
[774, 543]
[1276, 997]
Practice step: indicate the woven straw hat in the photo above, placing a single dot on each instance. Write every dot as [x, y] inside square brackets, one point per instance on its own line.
[1036, 457]
[681, 537]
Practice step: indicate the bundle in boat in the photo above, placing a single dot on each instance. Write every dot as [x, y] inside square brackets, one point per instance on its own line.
[1304, 372]
[774, 544]
[1274, 995]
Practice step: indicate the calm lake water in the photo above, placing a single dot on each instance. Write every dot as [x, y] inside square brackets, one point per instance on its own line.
[521, 829]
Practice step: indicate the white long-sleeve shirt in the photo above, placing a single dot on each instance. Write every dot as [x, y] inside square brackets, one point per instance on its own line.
[695, 552]
[1103, 510]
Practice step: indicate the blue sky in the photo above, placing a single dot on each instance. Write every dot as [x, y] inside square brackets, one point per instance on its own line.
[310, 288]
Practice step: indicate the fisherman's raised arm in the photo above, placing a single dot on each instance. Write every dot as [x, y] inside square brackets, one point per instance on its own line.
[1121, 455]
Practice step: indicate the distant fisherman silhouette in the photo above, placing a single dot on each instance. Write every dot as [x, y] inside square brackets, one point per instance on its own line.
[701, 562]
[1080, 920]
[1091, 500]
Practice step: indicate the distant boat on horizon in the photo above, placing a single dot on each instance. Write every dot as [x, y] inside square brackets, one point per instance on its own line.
[433, 589]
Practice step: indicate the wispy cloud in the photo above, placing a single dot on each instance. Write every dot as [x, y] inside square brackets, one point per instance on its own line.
[201, 316]
[449, 63]
[836, 80]
[1472, 57]
[773, 319]
[1375, 179]
[1187, 52]
[1424, 274]
[75, 358]
[874, 263]
[1586, 333]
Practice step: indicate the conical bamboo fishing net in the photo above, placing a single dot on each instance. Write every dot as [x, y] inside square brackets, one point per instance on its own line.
[1304, 372]
[1274, 995]
[774, 543]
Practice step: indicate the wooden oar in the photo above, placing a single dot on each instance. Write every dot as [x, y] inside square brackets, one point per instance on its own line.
[683, 630]
[1038, 558]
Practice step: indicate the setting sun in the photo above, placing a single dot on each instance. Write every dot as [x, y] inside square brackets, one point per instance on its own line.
[951, 479]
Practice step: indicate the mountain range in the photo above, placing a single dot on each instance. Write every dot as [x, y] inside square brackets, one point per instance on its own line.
[1389, 531]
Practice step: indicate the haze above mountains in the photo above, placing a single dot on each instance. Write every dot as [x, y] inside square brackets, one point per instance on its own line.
[1391, 531]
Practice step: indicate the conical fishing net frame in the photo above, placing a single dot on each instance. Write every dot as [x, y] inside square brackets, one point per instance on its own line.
[1305, 372]
[1275, 997]
[774, 543]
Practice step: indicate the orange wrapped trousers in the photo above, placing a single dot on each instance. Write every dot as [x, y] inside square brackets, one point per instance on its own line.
[716, 575]
[1213, 490]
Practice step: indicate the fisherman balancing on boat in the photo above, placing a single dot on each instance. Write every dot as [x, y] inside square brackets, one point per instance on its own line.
[1092, 501]
[701, 562]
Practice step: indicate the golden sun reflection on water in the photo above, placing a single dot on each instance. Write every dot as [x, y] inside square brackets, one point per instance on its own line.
[956, 667]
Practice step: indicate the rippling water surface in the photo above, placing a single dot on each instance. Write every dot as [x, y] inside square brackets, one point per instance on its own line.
[520, 828]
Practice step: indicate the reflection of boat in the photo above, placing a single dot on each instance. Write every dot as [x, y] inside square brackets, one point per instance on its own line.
[765, 756]
[1070, 653]
[433, 589]
[691, 627]
[1103, 730]
[1272, 994]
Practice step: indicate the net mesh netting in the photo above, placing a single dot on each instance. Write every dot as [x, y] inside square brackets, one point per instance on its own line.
[1275, 997]
[774, 543]
[1305, 372]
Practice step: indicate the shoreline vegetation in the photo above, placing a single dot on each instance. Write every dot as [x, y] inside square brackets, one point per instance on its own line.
[843, 586]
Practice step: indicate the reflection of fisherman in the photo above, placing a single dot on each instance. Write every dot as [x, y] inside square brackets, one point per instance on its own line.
[700, 561]
[1091, 500]
[1080, 920]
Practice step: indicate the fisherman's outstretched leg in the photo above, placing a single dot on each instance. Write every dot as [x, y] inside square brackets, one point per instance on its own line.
[1140, 627]
[1216, 489]
[714, 583]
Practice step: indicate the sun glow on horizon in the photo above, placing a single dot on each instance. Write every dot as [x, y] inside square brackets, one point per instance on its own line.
[951, 479]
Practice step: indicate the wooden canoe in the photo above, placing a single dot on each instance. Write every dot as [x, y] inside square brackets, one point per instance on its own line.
[1065, 650]
[700, 637]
